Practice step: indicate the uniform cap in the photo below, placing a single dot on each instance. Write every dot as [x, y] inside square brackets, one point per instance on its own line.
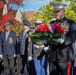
[27, 23]
[7, 23]
[59, 6]
[38, 21]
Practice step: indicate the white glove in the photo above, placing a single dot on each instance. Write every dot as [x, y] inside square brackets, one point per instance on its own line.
[1, 56]
[46, 48]
[60, 40]
[30, 58]
[14, 55]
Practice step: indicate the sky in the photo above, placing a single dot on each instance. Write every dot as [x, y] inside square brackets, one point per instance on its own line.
[34, 4]
[30, 5]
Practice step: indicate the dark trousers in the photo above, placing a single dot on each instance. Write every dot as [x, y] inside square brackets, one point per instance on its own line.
[58, 68]
[32, 68]
[9, 65]
[72, 68]
[19, 65]
[24, 65]
[1, 67]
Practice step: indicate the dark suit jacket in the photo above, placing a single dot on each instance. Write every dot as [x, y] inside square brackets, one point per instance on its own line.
[64, 52]
[23, 43]
[8, 47]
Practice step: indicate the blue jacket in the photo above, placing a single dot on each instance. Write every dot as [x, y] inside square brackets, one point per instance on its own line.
[23, 40]
[8, 47]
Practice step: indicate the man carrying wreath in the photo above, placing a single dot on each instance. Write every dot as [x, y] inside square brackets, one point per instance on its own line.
[61, 52]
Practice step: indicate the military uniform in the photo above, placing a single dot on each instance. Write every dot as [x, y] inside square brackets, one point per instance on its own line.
[39, 55]
[23, 44]
[60, 54]
[23, 48]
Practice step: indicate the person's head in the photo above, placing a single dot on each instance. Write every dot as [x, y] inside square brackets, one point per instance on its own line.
[59, 10]
[7, 26]
[37, 22]
[26, 25]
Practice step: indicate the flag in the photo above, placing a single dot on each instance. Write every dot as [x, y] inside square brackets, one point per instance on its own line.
[4, 17]
[50, 28]
[18, 16]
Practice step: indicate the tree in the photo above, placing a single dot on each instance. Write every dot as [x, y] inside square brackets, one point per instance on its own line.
[70, 11]
[46, 12]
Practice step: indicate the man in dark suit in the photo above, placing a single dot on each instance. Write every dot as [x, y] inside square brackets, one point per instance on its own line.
[8, 49]
[23, 44]
[61, 53]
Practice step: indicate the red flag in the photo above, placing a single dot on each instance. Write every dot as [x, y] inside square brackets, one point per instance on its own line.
[4, 17]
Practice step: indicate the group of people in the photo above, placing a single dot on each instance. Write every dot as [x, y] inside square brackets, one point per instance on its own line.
[48, 59]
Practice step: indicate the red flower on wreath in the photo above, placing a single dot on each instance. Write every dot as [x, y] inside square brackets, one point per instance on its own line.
[58, 28]
[41, 28]
[46, 31]
[49, 28]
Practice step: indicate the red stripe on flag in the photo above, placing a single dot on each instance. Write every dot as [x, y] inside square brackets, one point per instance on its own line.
[4, 18]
